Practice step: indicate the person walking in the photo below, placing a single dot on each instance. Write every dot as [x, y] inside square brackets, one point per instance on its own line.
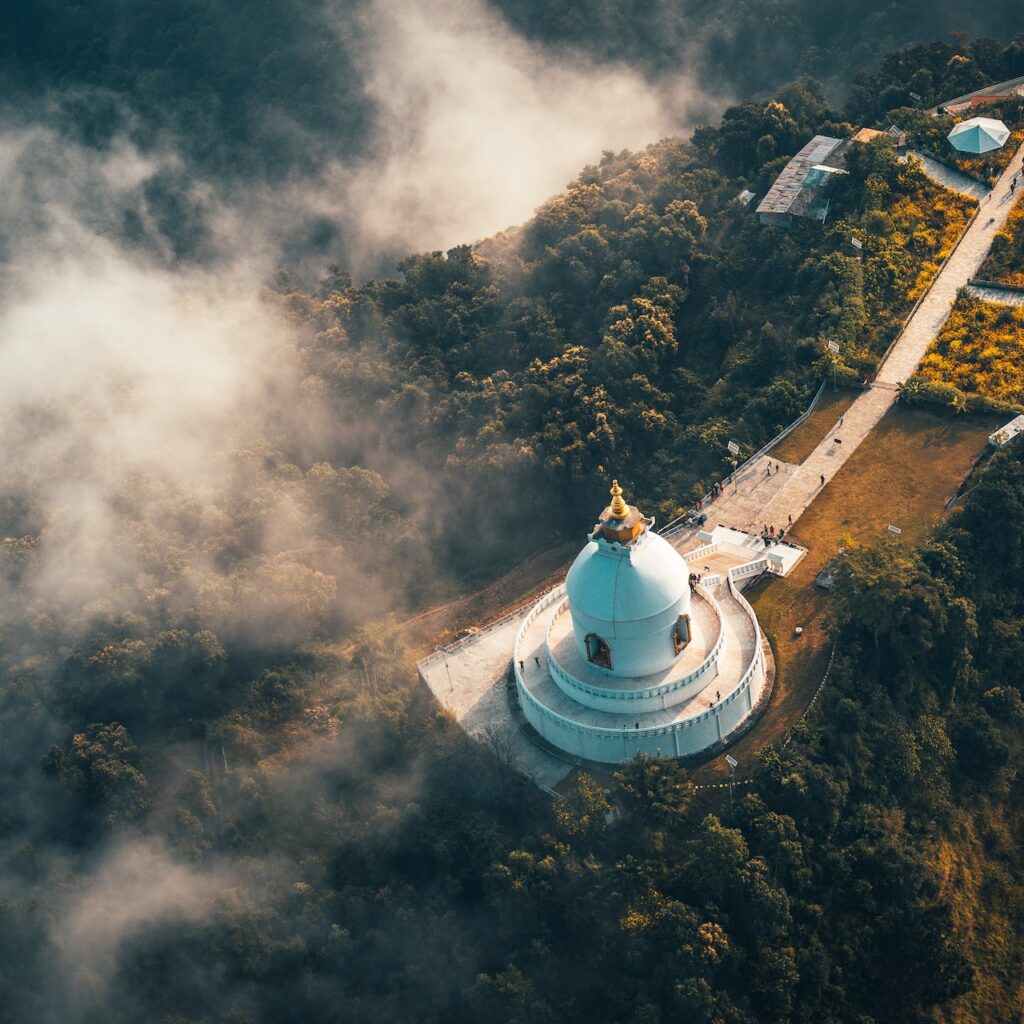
[822, 479]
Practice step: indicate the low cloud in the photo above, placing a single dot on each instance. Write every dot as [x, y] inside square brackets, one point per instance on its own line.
[476, 126]
[136, 888]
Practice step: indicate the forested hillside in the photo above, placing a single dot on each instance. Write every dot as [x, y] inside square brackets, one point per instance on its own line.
[227, 798]
[642, 314]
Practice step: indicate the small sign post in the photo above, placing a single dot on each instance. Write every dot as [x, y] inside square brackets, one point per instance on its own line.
[916, 97]
[733, 765]
[734, 448]
[894, 530]
[856, 243]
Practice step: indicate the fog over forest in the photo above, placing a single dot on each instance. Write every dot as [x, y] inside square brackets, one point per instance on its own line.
[199, 538]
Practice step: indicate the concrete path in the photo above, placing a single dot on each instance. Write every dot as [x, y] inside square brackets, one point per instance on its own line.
[470, 684]
[745, 498]
[801, 486]
[949, 178]
[1001, 296]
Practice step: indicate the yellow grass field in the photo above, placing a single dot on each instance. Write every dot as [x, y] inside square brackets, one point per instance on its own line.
[798, 445]
[979, 351]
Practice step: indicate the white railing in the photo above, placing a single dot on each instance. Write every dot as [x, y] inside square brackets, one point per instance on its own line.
[708, 582]
[702, 552]
[442, 652]
[740, 572]
[632, 735]
[599, 731]
[653, 692]
[754, 568]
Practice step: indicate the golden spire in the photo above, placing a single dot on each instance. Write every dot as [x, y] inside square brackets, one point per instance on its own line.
[619, 508]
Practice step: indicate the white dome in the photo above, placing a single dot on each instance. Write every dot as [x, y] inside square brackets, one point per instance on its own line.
[613, 588]
[626, 603]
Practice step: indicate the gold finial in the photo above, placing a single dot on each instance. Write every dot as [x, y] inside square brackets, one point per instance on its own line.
[619, 508]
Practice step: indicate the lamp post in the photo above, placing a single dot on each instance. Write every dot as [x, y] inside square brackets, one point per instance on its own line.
[444, 658]
[733, 765]
[833, 347]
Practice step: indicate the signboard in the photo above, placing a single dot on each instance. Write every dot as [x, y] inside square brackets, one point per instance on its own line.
[734, 448]
[856, 243]
[833, 346]
[915, 96]
[894, 529]
[731, 761]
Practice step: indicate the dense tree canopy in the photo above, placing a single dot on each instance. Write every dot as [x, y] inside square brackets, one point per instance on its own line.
[228, 762]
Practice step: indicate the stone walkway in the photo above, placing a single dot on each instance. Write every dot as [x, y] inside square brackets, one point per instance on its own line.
[470, 684]
[800, 487]
[1001, 296]
[949, 178]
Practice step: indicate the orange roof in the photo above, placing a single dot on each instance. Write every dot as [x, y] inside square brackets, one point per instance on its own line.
[867, 134]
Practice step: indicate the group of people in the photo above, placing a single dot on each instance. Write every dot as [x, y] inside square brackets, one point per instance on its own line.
[770, 536]
[694, 580]
[716, 490]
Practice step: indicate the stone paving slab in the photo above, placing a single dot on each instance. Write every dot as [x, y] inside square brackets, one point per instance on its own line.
[949, 178]
[1000, 296]
[743, 500]
[471, 684]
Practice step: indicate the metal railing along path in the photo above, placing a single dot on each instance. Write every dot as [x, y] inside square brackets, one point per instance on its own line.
[677, 524]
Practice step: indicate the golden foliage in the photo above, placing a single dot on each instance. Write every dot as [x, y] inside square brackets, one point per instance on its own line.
[978, 351]
[1005, 260]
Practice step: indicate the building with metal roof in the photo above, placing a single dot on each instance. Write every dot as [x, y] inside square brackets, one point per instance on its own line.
[798, 190]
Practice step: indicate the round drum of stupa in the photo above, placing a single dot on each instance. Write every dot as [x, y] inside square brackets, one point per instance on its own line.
[635, 653]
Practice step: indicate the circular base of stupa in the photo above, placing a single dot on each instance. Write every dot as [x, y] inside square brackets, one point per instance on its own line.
[709, 694]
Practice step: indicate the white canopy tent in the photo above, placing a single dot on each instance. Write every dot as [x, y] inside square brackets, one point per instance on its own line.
[978, 135]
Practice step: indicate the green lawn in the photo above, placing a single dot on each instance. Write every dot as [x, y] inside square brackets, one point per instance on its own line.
[798, 445]
[904, 473]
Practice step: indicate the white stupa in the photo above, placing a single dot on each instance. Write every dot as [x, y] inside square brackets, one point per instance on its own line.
[631, 655]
